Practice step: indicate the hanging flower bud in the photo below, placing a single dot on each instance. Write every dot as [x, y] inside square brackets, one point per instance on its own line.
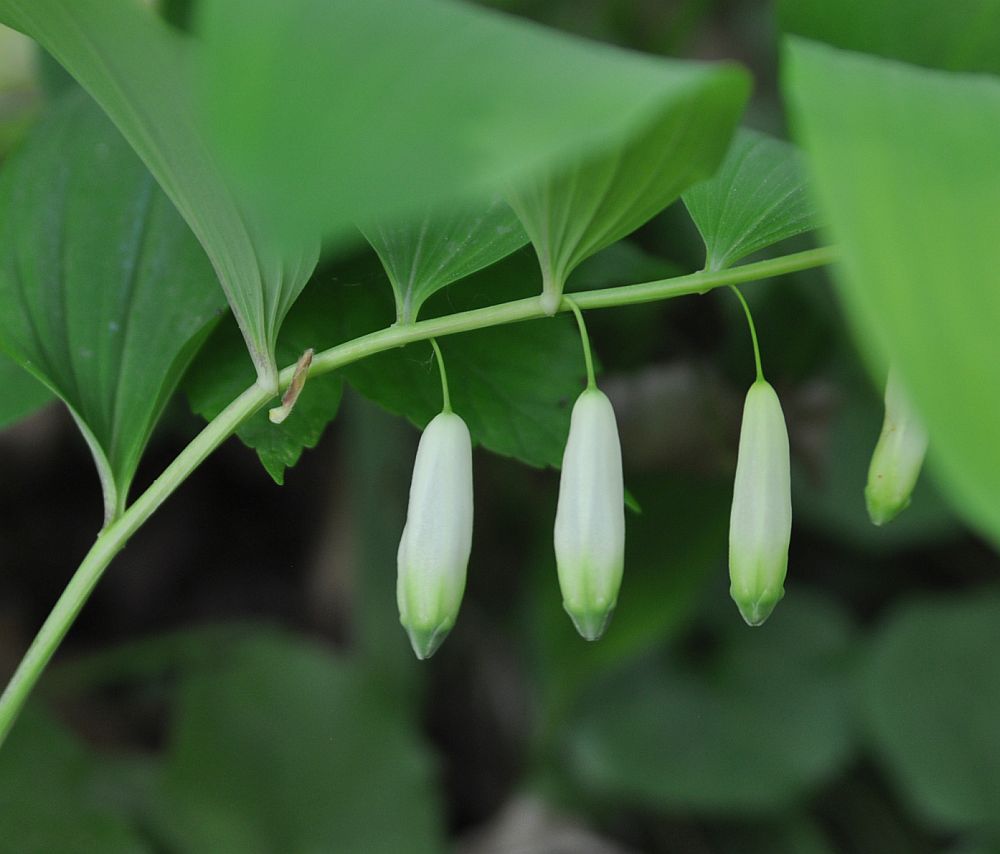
[760, 526]
[437, 538]
[590, 518]
[898, 457]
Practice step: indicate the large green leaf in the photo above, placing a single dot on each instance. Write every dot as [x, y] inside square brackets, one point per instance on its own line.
[352, 109]
[279, 746]
[51, 798]
[141, 72]
[759, 723]
[904, 165]
[423, 254]
[578, 208]
[932, 702]
[756, 198]
[105, 295]
[964, 36]
[22, 394]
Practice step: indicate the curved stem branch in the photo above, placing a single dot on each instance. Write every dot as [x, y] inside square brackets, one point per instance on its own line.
[753, 330]
[588, 355]
[116, 534]
[445, 395]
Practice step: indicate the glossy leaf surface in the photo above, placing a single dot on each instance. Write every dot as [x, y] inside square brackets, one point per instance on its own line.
[904, 165]
[756, 198]
[343, 110]
[105, 295]
[426, 253]
[141, 73]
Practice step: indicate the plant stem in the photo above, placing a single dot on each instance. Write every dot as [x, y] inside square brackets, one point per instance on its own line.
[753, 331]
[588, 356]
[445, 395]
[110, 542]
[113, 538]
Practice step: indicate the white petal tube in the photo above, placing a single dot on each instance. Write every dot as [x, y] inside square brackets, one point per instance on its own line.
[590, 518]
[760, 526]
[898, 456]
[437, 539]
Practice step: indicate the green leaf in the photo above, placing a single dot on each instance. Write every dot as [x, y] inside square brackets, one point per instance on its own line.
[104, 293]
[141, 73]
[763, 721]
[965, 37]
[52, 800]
[756, 198]
[279, 746]
[20, 393]
[576, 209]
[904, 166]
[932, 701]
[424, 254]
[432, 100]
[221, 374]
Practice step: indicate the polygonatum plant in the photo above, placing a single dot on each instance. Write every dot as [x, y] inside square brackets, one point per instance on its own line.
[183, 173]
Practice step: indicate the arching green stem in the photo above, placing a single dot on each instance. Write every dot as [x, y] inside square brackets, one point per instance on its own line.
[753, 330]
[445, 396]
[588, 355]
[113, 538]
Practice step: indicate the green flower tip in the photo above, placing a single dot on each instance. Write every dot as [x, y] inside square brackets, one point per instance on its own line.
[591, 624]
[882, 510]
[426, 640]
[755, 611]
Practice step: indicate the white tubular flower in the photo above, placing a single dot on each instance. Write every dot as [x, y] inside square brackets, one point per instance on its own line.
[760, 526]
[437, 539]
[590, 518]
[898, 456]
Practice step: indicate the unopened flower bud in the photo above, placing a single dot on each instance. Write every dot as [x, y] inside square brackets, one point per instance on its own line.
[760, 526]
[590, 518]
[898, 457]
[437, 539]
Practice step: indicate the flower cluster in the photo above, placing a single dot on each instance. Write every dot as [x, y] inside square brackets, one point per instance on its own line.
[589, 531]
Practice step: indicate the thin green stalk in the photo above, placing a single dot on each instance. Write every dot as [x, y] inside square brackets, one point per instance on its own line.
[753, 331]
[445, 396]
[116, 534]
[588, 355]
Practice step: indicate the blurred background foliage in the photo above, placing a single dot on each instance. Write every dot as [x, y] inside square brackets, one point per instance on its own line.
[239, 681]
